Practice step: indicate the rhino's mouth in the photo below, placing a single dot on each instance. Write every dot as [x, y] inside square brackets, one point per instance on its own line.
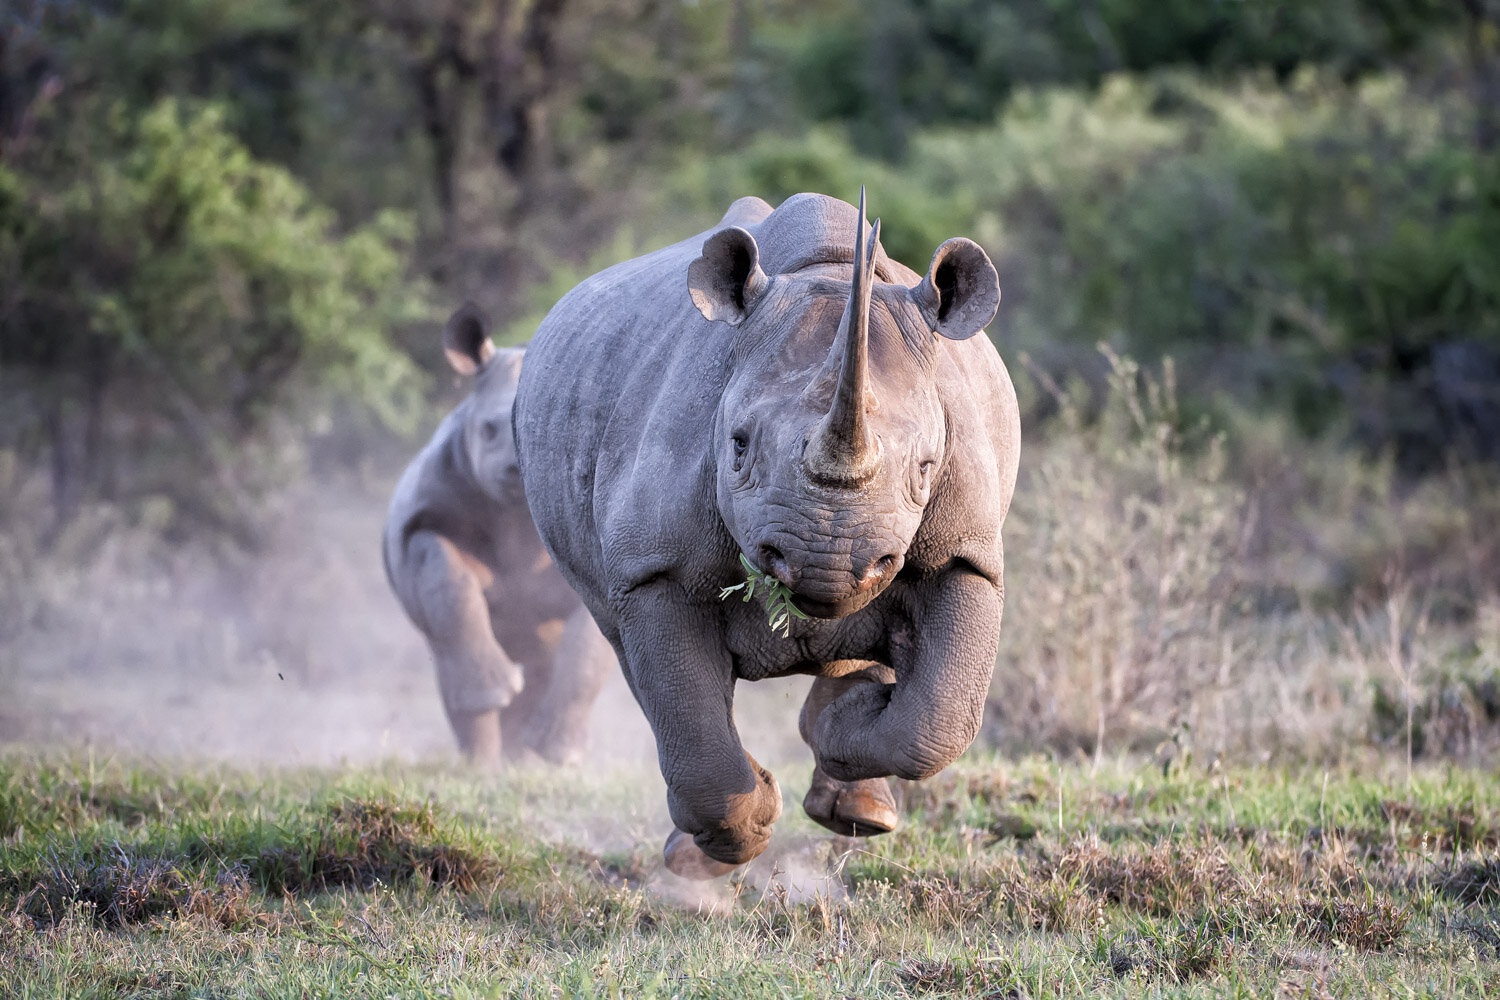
[832, 609]
[829, 591]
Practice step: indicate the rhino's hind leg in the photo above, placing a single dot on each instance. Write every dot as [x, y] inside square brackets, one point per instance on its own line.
[478, 735]
[860, 808]
[558, 730]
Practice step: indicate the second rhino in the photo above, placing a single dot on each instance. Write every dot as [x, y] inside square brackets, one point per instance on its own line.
[519, 661]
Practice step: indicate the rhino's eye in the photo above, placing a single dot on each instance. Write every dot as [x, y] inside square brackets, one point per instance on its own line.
[489, 430]
[925, 469]
[738, 444]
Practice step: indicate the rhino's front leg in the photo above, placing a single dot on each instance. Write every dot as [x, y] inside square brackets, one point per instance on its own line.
[921, 723]
[851, 808]
[722, 802]
[443, 588]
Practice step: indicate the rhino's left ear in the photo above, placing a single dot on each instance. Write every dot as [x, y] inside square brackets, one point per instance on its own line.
[465, 341]
[726, 281]
[961, 292]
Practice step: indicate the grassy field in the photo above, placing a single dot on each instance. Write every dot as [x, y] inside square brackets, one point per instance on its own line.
[1008, 879]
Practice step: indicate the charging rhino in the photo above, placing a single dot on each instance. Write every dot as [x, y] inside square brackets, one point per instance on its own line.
[780, 391]
[519, 660]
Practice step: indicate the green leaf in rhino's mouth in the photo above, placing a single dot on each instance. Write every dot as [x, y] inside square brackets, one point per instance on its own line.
[776, 595]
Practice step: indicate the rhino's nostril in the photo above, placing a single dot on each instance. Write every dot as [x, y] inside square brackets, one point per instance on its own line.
[774, 562]
[877, 571]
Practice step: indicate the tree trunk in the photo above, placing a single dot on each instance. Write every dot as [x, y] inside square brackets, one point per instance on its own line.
[439, 80]
[1484, 59]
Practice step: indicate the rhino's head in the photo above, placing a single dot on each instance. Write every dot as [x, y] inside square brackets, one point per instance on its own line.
[830, 435]
[485, 417]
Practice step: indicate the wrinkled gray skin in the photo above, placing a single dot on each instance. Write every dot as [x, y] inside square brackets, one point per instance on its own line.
[722, 396]
[519, 660]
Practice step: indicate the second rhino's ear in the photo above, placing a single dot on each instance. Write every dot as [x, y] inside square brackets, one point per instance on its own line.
[961, 292]
[465, 341]
[726, 281]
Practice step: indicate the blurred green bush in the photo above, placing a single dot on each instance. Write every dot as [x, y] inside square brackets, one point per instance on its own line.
[169, 300]
[1324, 247]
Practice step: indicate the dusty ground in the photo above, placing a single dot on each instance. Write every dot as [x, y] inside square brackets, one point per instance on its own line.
[268, 718]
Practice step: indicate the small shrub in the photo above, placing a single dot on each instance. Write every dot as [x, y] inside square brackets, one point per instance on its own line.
[1121, 550]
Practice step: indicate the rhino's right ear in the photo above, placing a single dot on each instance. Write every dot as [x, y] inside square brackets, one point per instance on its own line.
[961, 292]
[726, 281]
[465, 341]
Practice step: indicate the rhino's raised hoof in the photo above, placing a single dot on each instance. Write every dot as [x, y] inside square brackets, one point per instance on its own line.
[851, 808]
[687, 860]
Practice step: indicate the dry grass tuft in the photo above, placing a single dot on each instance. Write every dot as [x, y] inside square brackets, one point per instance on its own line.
[1474, 881]
[1483, 928]
[1367, 923]
[125, 889]
[1161, 880]
[365, 843]
[1455, 827]
[1179, 953]
[960, 977]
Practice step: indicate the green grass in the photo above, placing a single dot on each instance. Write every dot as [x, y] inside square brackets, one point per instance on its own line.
[1007, 879]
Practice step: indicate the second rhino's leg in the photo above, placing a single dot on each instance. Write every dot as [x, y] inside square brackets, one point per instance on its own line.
[534, 648]
[860, 808]
[475, 676]
[558, 731]
[722, 802]
[478, 735]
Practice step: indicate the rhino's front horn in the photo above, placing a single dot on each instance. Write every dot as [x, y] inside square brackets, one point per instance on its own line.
[843, 451]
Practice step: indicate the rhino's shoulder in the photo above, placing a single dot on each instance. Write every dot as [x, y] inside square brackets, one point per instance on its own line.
[984, 417]
[439, 481]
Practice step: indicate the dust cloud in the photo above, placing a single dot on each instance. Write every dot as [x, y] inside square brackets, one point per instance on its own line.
[295, 655]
